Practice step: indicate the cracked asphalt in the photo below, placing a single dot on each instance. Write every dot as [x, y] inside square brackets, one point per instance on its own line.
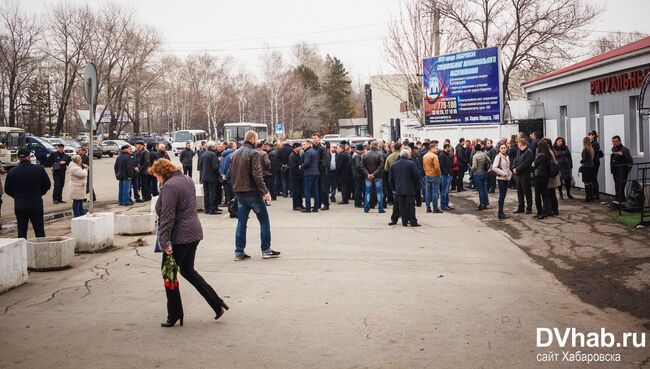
[462, 291]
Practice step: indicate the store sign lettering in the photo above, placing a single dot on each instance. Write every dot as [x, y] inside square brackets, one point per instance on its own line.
[619, 82]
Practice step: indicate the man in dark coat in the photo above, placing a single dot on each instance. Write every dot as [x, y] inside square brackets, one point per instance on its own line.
[143, 165]
[462, 161]
[522, 169]
[620, 166]
[294, 163]
[357, 176]
[404, 178]
[59, 161]
[186, 157]
[323, 169]
[276, 176]
[135, 181]
[283, 156]
[342, 173]
[310, 168]
[27, 183]
[123, 173]
[210, 177]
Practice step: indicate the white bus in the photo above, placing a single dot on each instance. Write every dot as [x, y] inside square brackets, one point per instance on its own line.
[236, 131]
[194, 136]
[11, 139]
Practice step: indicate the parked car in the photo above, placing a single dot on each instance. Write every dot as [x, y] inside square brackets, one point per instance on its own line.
[149, 140]
[97, 150]
[70, 150]
[110, 148]
[40, 147]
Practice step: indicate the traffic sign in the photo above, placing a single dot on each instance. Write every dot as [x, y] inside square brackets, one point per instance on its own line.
[279, 128]
[91, 84]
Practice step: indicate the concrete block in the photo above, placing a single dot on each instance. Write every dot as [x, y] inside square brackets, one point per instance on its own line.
[153, 202]
[199, 189]
[50, 253]
[135, 223]
[13, 263]
[93, 233]
[199, 202]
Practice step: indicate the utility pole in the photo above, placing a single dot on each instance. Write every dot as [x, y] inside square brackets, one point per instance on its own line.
[435, 27]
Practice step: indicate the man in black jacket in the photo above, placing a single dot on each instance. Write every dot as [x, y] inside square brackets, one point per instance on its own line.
[357, 176]
[323, 168]
[446, 159]
[283, 155]
[210, 177]
[404, 177]
[186, 157]
[59, 161]
[342, 173]
[294, 163]
[522, 168]
[123, 173]
[372, 168]
[143, 165]
[462, 161]
[276, 175]
[620, 165]
[27, 183]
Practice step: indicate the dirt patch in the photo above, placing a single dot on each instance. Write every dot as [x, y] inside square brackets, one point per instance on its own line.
[601, 261]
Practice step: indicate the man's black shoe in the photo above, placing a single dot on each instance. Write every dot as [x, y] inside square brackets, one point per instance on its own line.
[325, 208]
[63, 202]
[240, 257]
[447, 209]
[305, 211]
[270, 254]
[529, 211]
[138, 200]
[428, 210]
[518, 211]
[392, 223]
[382, 211]
[416, 225]
[297, 209]
[314, 211]
[55, 201]
[437, 211]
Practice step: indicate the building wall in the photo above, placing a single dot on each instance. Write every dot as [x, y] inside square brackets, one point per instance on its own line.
[385, 106]
[617, 115]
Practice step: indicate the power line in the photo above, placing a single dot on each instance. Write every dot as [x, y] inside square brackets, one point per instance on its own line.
[282, 36]
[360, 40]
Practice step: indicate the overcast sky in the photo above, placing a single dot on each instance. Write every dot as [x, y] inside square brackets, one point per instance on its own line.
[349, 29]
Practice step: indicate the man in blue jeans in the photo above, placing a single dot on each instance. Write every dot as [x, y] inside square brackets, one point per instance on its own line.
[372, 168]
[431, 165]
[123, 168]
[251, 193]
[446, 160]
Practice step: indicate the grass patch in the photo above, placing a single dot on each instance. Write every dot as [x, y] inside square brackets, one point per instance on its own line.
[630, 219]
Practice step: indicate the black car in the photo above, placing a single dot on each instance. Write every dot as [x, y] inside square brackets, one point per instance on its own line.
[149, 140]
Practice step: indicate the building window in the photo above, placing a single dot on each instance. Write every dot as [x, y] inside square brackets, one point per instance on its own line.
[594, 116]
[564, 121]
[636, 125]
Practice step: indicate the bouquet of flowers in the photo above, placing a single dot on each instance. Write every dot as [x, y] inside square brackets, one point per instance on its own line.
[170, 273]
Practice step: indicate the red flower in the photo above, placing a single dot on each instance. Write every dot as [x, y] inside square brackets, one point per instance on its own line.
[166, 283]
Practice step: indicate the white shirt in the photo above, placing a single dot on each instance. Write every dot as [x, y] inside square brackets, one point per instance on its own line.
[333, 162]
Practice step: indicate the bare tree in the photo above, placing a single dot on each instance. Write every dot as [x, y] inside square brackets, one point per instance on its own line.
[19, 36]
[68, 33]
[410, 40]
[615, 40]
[276, 77]
[145, 42]
[210, 77]
[531, 33]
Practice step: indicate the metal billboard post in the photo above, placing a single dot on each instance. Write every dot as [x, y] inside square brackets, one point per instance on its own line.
[91, 82]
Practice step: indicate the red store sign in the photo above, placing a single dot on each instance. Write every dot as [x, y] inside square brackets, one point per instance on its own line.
[619, 82]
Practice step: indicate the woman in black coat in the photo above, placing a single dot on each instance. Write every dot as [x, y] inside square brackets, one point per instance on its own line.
[588, 168]
[565, 162]
[542, 165]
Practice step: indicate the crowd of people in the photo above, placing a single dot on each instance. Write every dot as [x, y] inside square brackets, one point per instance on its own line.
[371, 175]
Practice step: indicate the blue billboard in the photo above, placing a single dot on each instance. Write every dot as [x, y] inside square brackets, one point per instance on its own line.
[463, 88]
